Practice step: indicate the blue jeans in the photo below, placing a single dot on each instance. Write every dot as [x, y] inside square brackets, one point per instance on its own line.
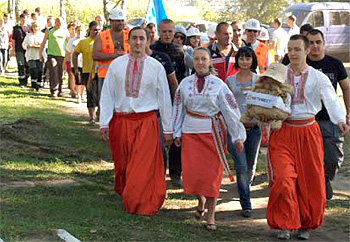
[245, 163]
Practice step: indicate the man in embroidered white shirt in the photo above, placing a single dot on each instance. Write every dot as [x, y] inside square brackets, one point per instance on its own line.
[297, 197]
[135, 86]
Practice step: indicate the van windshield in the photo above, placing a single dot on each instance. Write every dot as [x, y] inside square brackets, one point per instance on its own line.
[301, 15]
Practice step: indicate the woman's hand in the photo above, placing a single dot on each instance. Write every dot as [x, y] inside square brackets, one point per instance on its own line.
[177, 141]
[239, 146]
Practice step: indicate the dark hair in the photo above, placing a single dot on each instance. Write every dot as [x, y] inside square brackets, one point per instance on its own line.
[278, 21]
[22, 16]
[139, 28]
[292, 17]
[5, 15]
[71, 23]
[33, 14]
[247, 52]
[315, 32]
[91, 24]
[302, 37]
[305, 27]
[150, 25]
[37, 9]
[26, 11]
[218, 27]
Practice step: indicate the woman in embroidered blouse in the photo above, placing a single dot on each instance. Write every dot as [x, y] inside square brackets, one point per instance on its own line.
[199, 102]
[245, 162]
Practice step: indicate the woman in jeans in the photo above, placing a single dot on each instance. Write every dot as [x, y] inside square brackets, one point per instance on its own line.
[31, 44]
[245, 162]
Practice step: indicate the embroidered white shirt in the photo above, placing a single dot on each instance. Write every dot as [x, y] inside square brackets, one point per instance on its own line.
[123, 93]
[214, 98]
[309, 95]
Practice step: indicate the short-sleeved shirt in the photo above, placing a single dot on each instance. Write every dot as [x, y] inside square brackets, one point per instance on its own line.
[57, 42]
[164, 59]
[70, 48]
[237, 89]
[335, 70]
[19, 33]
[85, 47]
[176, 55]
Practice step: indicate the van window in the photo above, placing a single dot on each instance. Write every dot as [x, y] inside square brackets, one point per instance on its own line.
[339, 18]
[316, 19]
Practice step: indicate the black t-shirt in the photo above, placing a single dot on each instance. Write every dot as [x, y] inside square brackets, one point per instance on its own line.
[335, 70]
[176, 55]
[164, 60]
[19, 33]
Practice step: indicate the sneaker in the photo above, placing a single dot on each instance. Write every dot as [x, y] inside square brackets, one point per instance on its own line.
[303, 234]
[79, 99]
[92, 122]
[246, 213]
[329, 189]
[284, 234]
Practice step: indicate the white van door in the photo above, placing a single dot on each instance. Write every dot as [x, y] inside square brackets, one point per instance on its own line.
[338, 34]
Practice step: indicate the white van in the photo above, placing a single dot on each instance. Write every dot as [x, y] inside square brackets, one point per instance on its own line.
[332, 18]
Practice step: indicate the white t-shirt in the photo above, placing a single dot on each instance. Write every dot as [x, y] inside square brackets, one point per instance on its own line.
[70, 48]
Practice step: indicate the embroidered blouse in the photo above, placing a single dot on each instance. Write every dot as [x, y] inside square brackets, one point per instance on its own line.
[312, 87]
[214, 98]
[134, 86]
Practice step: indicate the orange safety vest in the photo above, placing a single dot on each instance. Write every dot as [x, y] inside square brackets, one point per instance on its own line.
[108, 47]
[261, 54]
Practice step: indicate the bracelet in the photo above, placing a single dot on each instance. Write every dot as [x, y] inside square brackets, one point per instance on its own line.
[348, 116]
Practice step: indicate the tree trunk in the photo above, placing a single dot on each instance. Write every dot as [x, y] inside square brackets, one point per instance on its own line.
[17, 10]
[62, 11]
[105, 11]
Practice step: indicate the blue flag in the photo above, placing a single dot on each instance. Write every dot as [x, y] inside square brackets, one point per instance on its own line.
[155, 12]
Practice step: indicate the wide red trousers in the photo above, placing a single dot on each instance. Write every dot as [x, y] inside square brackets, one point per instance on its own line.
[297, 196]
[138, 162]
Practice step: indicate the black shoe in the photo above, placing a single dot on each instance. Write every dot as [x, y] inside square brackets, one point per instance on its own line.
[246, 213]
[329, 189]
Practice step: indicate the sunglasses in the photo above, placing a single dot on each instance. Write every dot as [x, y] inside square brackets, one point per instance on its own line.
[176, 36]
[97, 30]
[237, 30]
[250, 30]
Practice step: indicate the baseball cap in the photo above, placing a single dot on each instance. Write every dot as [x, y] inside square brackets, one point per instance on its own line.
[252, 24]
[117, 14]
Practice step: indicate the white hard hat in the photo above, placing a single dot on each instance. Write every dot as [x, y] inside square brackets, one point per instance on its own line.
[211, 31]
[252, 24]
[193, 32]
[264, 34]
[117, 14]
[180, 29]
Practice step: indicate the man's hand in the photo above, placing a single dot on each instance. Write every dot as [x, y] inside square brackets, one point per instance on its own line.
[119, 53]
[239, 146]
[344, 128]
[104, 132]
[168, 139]
[177, 141]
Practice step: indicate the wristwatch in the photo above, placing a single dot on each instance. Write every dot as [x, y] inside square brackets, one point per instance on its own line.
[348, 116]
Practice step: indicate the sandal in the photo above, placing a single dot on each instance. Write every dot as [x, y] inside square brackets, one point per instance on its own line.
[199, 214]
[211, 226]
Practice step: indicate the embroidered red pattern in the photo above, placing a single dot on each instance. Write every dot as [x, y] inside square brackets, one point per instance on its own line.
[133, 77]
[231, 101]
